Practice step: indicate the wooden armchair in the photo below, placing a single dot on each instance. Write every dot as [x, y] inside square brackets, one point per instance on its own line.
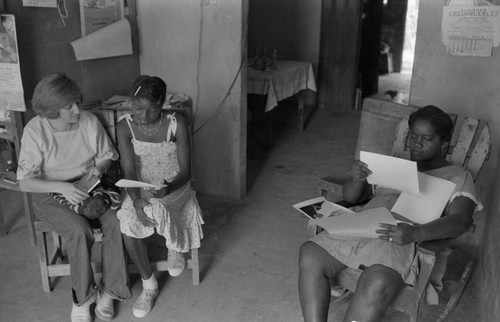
[56, 263]
[384, 129]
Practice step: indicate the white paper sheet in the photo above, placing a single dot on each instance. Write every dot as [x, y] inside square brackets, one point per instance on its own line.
[391, 172]
[124, 183]
[362, 224]
[112, 40]
[429, 205]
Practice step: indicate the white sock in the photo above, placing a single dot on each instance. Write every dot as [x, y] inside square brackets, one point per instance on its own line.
[151, 283]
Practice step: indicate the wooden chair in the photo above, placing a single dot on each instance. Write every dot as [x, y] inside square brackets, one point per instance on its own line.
[384, 129]
[56, 263]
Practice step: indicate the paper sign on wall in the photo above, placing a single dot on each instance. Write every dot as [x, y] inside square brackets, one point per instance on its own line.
[470, 30]
[110, 41]
[97, 14]
[40, 3]
[11, 86]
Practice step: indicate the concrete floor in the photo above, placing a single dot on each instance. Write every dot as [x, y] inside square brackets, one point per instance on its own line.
[250, 251]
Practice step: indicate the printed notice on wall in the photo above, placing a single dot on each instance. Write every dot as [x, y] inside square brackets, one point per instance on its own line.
[11, 86]
[40, 3]
[471, 30]
[97, 14]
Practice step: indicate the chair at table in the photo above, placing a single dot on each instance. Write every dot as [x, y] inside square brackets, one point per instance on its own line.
[381, 120]
[56, 263]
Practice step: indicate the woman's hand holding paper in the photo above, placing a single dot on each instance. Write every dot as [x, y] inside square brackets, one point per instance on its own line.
[400, 234]
[359, 171]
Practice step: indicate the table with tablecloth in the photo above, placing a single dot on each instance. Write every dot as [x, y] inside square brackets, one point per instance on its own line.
[287, 79]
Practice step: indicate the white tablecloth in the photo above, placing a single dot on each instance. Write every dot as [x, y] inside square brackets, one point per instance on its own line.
[288, 79]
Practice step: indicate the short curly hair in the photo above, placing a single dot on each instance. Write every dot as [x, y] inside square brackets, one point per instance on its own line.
[54, 92]
[438, 118]
[152, 88]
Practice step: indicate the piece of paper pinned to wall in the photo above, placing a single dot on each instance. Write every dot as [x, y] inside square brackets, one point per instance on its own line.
[110, 41]
[429, 205]
[391, 172]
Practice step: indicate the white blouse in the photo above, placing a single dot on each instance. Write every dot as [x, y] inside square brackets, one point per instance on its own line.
[63, 156]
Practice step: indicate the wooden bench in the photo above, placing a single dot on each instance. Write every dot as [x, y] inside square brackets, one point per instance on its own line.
[53, 260]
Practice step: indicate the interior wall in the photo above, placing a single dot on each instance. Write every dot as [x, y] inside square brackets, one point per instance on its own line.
[199, 50]
[290, 26]
[466, 86]
[44, 47]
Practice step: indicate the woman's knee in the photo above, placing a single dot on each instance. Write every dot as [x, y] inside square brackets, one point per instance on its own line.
[379, 284]
[308, 257]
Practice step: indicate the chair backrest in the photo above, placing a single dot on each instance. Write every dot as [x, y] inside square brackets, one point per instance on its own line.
[384, 129]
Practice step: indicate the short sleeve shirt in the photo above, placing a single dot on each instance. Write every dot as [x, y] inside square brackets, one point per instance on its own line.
[63, 156]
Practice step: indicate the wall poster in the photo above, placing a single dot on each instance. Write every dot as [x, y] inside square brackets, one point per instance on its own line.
[96, 14]
[11, 86]
[471, 30]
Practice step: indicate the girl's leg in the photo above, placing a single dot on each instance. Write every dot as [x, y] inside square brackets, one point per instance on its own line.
[316, 268]
[377, 287]
[138, 252]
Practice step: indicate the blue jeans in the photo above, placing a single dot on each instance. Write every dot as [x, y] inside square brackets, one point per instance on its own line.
[76, 232]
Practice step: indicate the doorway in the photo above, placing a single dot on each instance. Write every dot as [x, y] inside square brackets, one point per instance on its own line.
[398, 30]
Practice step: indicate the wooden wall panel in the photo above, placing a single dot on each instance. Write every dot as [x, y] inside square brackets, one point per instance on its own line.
[338, 63]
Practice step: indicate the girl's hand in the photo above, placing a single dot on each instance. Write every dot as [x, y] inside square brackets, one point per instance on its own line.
[401, 234]
[359, 171]
[139, 205]
[72, 193]
[162, 192]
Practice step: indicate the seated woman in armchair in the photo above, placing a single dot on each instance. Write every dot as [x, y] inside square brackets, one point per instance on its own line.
[389, 259]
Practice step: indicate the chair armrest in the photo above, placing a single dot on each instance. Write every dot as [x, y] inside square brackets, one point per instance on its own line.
[432, 247]
[331, 184]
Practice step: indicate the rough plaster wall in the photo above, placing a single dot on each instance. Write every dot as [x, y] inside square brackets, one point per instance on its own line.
[466, 86]
[197, 49]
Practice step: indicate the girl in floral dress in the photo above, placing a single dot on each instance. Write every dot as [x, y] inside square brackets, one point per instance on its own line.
[154, 148]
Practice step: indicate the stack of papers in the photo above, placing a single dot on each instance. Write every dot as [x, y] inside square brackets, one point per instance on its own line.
[362, 224]
[423, 197]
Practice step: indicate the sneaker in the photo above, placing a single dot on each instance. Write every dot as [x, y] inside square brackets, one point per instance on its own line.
[144, 302]
[104, 309]
[337, 291]
[81, 313]
[175, 262]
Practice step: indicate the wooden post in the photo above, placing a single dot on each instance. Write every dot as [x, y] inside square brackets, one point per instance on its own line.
[339, 52]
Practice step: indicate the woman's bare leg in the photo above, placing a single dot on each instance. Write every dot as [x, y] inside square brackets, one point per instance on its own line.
[377, 287]
[316, 268]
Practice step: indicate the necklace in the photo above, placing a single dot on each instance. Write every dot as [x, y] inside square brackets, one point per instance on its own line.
[151, 131]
